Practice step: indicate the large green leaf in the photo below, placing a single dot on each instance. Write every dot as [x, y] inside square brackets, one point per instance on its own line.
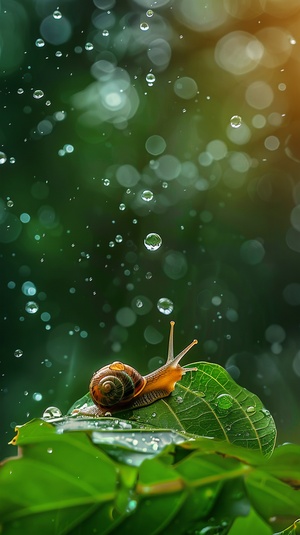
[65, 484]
[209, 403]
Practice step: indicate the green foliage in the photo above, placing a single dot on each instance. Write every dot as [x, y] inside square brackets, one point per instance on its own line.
[210, 403]
[197, 462]
[94, 476]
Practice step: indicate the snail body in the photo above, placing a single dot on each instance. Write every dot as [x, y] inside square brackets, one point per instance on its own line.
[118, 386]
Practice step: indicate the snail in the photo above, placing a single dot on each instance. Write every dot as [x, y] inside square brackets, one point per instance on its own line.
[118, 386]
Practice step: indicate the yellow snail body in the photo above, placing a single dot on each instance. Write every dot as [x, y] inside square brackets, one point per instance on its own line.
[119, 386]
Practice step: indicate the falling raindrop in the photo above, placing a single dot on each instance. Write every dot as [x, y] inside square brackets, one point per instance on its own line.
[31, 307]
[38, 93]
[40, 43]
[235, 121]
[3, 158]
[147, 195]
[57, 14]
[152, 241]
[150, 78]
[165, 305]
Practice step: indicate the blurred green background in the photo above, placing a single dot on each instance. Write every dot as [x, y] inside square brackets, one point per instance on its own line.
[124, 118]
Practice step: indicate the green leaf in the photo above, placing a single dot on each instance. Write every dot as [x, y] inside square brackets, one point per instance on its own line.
[252, 523]
[65, 484]
[292, 530]
[210, 403]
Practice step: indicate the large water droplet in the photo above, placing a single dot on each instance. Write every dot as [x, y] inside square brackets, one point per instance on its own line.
[165, 305]
[52, 412]
[40, 43]
[152, 241]
[235, 121]
[147, 195]
[57, 14]
[3, 158]
[31, 307]
[38, 93]
[150, 78]
[224, 401]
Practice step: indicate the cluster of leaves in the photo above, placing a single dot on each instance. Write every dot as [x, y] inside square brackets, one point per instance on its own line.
[152, 472]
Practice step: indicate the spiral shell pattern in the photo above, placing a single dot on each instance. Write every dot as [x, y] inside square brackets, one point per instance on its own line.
[115, 384]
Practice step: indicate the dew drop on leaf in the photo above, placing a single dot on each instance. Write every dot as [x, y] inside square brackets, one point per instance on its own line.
[52, 412]
[250, 409]
[152, 241]
[18, 353]
[224, 401]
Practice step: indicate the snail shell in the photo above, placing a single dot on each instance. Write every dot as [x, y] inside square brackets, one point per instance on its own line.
[115, 383]
[119, 386]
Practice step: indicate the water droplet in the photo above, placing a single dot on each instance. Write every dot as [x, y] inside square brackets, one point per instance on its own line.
[57, 14]
[119, 238]
[20, 91]
[37, 396]
[10, 203]
[265, 412]
[148, 275]
[89, 46]
[144, 26]
[18, 353]
[153, 415]
[152, 241]
[165, 305]
[235, 121]
[250, 409]
[38, 93]
[40, 43]
[131, 506]
[52, 412]
[105, 33]
[49, 450]
[149, 13]
[150, 78]
[31, 307]
[3, 158]
[12, 160]
[139, 303]
[106, 182]
[122, 207]
[224, 401]
[107, 414]
[179, 399]
[58, 54]
[147, 195]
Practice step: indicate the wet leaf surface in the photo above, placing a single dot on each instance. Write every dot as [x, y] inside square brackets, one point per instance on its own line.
[74, 483]
[209, 403]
